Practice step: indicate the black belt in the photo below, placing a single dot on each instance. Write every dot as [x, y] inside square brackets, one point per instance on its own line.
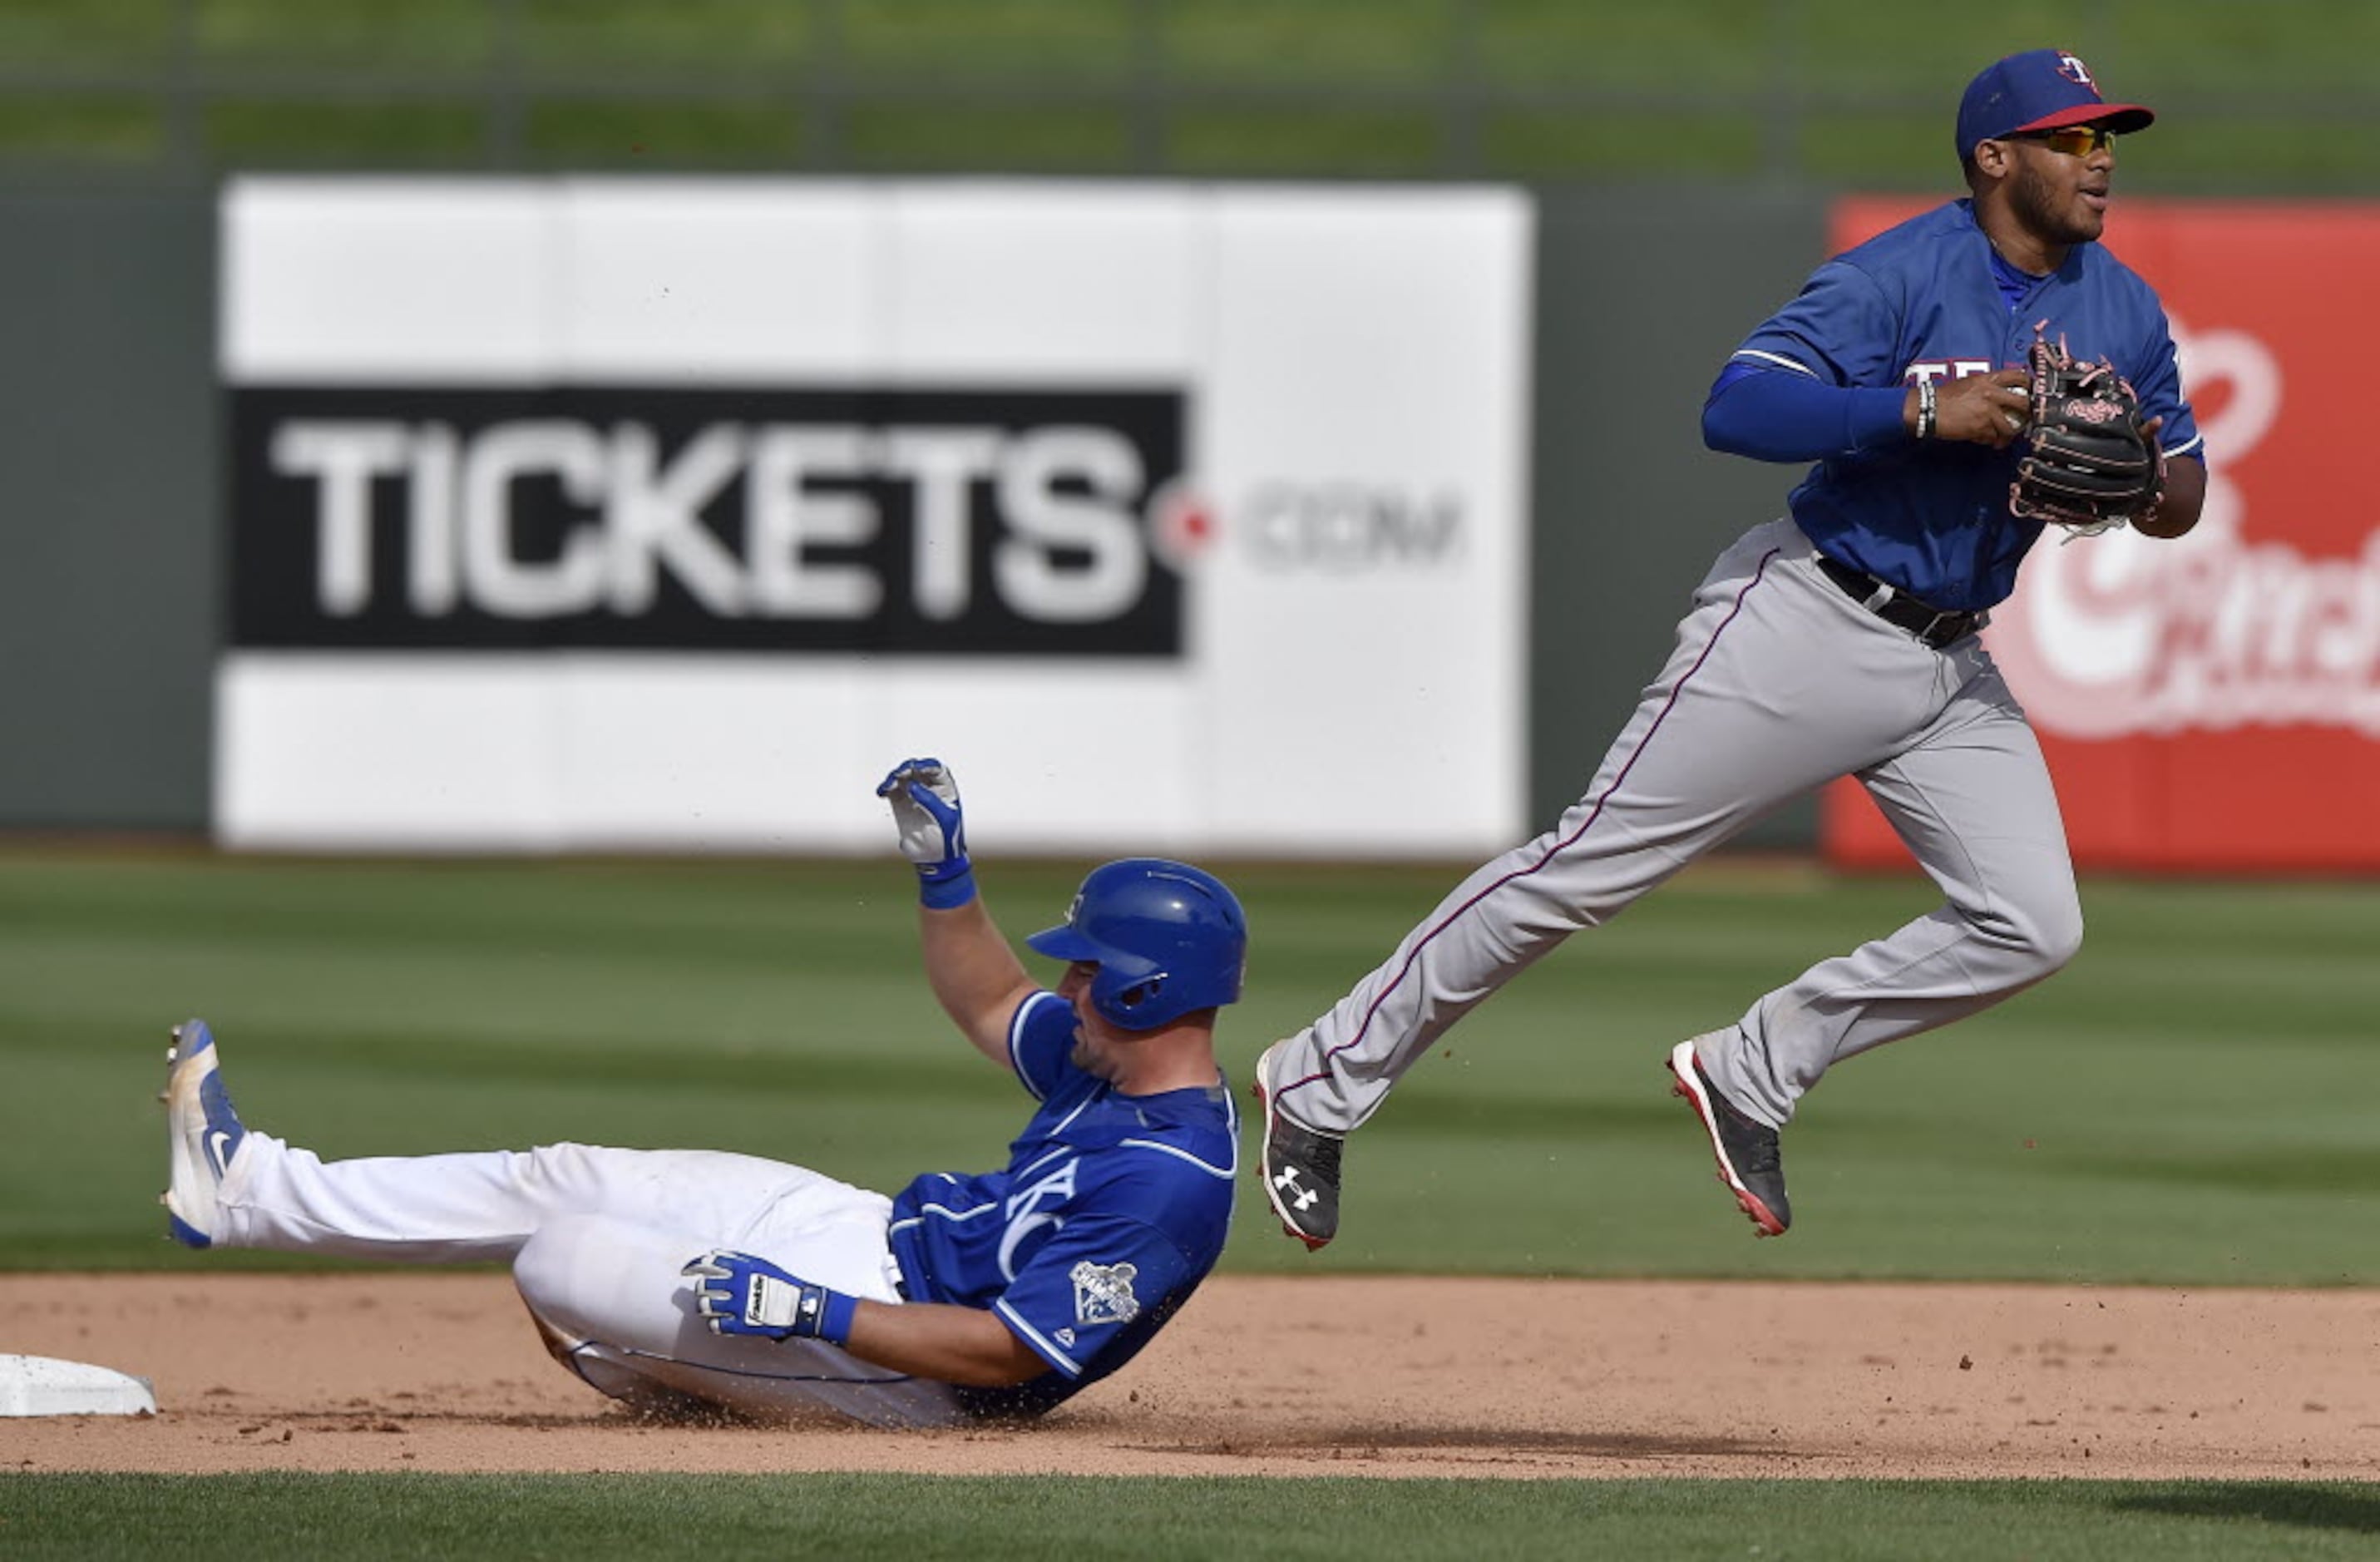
[1929, 623]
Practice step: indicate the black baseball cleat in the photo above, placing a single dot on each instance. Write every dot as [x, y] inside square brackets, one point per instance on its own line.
[1300, 1167]
[1750, 1161]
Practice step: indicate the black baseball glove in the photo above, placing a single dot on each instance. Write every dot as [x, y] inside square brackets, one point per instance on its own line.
[2089, 463]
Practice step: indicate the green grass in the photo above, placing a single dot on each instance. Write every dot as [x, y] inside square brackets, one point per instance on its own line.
[257, 1519]
[2260, 99]
[2187, 1103]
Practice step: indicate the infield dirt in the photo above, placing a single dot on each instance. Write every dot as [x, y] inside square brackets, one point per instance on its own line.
[1381, 1376]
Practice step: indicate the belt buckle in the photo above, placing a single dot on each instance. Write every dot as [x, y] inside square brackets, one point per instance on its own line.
[1957, 623]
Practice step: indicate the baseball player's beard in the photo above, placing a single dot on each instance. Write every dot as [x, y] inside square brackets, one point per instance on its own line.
[2055, 216]
[1091, 1059]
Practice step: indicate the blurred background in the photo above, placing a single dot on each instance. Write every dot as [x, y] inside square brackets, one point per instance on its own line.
[1417, 299]
[2264, 98]
[1679, 164]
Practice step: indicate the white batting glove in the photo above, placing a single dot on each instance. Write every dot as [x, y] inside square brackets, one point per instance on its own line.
[924, 796]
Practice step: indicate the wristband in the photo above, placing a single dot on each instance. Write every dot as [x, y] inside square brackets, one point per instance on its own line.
[820, 1313]
[1925, 409]
[946, 885]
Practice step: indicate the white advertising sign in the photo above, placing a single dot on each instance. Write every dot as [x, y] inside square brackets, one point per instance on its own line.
[611, 514]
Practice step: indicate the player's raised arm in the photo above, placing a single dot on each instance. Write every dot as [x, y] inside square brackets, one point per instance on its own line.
[972, 971]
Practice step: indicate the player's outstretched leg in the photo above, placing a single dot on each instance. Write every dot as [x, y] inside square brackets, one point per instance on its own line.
[203, 1131]
[1299, 1165]
[1750, 1160]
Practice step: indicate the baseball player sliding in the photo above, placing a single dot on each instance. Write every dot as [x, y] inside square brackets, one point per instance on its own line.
[1840, 640]
[674, 1276]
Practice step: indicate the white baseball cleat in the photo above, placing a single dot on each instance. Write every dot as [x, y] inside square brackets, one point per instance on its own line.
[204, 1134]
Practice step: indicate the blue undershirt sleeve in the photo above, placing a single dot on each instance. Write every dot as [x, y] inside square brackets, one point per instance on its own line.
[1777, 415]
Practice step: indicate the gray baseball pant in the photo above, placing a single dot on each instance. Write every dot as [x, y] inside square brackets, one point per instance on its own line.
[1780, 684]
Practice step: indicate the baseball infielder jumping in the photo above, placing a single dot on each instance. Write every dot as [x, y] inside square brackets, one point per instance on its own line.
[671, 1275]
[1837, 641]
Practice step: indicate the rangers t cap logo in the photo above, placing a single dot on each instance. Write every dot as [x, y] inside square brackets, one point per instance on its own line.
[2039, 89]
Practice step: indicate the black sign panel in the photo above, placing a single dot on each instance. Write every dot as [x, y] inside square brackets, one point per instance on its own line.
[889, 522]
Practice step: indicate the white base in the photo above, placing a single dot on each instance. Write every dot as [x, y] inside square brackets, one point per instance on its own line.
[40, 1385]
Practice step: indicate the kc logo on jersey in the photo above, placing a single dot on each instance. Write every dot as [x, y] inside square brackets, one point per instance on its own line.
[1027, 1218]
[1103, 1293]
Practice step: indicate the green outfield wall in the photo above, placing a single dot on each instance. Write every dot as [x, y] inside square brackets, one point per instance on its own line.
[108, 574]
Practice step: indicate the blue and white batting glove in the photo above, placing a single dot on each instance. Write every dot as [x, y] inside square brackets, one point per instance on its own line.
[925, 799]
[743, 1295]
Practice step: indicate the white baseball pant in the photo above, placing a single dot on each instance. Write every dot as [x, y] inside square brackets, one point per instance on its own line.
[596, 1239]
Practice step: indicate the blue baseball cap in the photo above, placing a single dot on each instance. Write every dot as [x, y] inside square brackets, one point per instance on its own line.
[2039, 89]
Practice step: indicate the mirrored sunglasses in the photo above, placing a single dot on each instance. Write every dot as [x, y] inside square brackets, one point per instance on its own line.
[2074, 140]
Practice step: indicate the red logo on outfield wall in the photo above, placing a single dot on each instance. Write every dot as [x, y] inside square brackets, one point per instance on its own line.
[2214, 702]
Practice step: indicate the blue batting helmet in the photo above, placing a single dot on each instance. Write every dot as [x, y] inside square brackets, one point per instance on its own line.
[1168, 939]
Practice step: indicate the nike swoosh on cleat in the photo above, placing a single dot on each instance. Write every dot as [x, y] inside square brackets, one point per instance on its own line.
[216, 1139]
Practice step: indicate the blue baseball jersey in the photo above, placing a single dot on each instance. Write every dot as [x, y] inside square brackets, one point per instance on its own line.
[1110, 1212]
[1925, 301]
